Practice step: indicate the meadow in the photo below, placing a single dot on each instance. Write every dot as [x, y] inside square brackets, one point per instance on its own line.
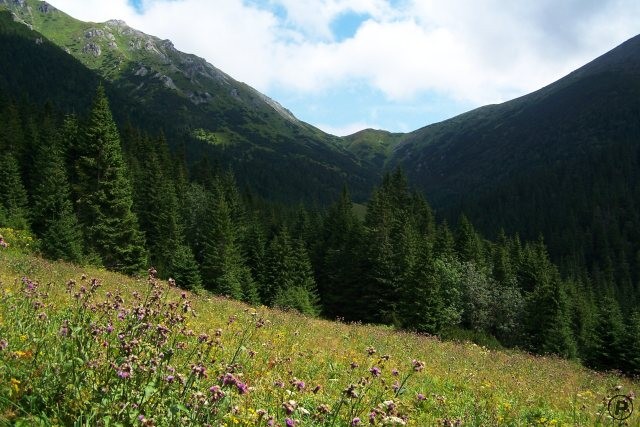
[81, 346]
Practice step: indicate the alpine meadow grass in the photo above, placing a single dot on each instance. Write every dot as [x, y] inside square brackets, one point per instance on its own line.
[87, 347]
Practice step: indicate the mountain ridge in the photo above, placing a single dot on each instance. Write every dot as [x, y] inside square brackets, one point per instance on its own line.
[205, 109]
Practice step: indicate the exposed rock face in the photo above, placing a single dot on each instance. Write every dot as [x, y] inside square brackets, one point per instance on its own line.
[166, 80]
[142, 71]
[93, 32]
[200, 98]
[46, 7]
[92, 49]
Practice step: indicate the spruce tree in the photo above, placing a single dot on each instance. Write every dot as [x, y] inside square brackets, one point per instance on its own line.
[53, 218]
[156, 205]
[340, 273]
[185, 270]
[467, 242]
[548, 325]
[13, 196]
[608, 344]
[103, 192]
[289, 281]
[631, 350]
[224, 268]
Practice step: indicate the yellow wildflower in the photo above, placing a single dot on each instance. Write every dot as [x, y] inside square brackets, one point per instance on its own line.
[15, 384]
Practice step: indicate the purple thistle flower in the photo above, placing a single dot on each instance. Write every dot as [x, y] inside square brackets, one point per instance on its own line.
[216, 393]
[170, 378]
[355, 421]
[396, 386]
[290, 406]
[351, 391]
[242, 387]
[64, 329]
[395, 372]
[289, 422]
[418, 365]
[199, 371]
[375, 371]
[4, 344]
[421, 397]
[354, 365]
[124, 371]
[229, 379]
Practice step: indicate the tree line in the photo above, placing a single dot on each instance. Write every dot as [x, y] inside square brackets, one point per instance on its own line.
[122, 199]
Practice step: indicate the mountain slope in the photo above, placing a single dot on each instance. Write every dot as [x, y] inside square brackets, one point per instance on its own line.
[288, 361]
[563, 161]
[270, 150]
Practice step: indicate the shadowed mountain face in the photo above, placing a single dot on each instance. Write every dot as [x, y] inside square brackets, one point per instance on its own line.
[563, 161]
[479, 149]
[195, 103]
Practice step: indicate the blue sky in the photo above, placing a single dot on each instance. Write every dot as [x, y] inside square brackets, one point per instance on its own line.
[345, 65]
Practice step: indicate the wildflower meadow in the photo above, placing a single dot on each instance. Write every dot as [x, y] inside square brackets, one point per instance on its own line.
[94, 348]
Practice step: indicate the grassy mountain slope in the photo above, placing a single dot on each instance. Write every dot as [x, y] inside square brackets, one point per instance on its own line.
[283, 365]
[374, 146]
[193, 101]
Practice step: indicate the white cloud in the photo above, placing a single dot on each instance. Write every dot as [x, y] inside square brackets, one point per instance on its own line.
[474, 51]
[95, 10]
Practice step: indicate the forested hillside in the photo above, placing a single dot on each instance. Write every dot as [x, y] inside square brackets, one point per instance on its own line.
[122, 199]
[562, 162]
[104, 177]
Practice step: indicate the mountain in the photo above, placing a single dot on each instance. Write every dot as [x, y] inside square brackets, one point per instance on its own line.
[563, 162]
[194, 103]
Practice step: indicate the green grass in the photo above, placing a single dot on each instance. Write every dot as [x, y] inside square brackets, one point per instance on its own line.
[61, 365]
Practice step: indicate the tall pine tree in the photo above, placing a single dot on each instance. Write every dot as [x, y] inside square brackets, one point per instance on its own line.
[53, 218]
[103, 192]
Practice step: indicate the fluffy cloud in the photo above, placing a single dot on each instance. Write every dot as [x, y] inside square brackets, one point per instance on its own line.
[473, 51]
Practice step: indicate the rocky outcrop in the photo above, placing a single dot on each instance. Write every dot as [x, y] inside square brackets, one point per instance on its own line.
[166, 80]
[46, 8]
[92, 49]
[200, 97]
[142, 71]
[93, 32]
